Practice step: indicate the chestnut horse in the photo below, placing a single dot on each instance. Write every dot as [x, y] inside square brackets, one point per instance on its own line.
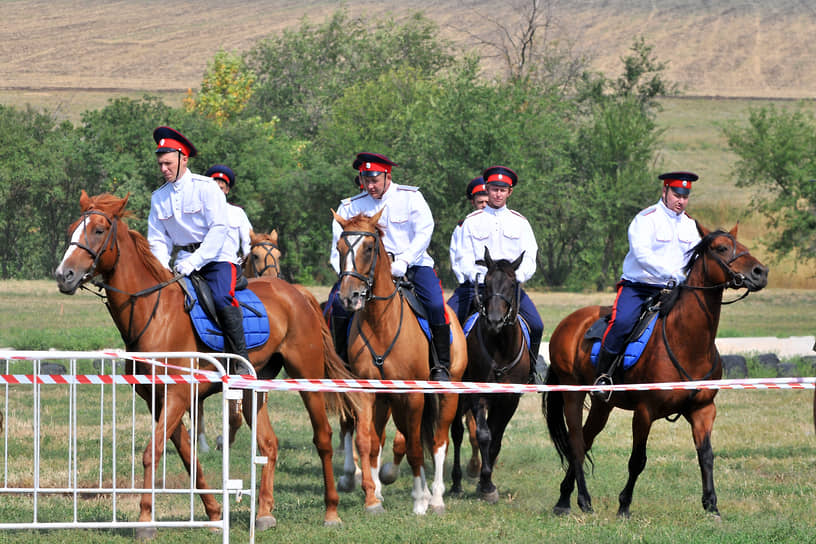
[264, 256]
[681, 348]
[147, 305]
[387, 342]
[497, 352]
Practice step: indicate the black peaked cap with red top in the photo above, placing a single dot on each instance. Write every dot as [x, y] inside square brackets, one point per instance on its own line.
[500, 175]
[224, 173]
[476, 187]
[169, 139]
[679, 181]
[372, 164]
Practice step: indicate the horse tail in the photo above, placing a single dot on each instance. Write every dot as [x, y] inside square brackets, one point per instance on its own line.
[552, 405]
[346, 404]
[430, 419]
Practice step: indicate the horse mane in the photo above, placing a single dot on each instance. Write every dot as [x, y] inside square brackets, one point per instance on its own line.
[697, 251]
[159, 272]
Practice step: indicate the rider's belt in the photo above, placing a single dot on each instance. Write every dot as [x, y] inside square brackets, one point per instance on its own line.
[189, 248]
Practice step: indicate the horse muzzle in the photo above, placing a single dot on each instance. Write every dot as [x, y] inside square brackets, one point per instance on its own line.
[68, 280]
[756, 279]
[353, 302]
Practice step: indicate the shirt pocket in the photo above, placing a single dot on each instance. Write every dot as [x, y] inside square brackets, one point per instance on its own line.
[663, 234]
[164, 210]
[688, 233]
[511, 231]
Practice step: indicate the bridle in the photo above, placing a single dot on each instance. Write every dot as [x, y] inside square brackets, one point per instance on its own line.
[368, 293]
[268, 247]
[508, 320]
[111, 243]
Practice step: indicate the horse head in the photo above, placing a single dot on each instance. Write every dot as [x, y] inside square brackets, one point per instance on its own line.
[93, 248]
[264, 255]
[501, 292]
[359, 248]
[719, 260]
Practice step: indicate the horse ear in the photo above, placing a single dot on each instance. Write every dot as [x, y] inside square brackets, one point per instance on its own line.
[733, 231]
[339, 219]
[701, 229]
[487, 260]
[122, 204]
[84, 201]
[517, 262]
[274, 235]
[375, 219]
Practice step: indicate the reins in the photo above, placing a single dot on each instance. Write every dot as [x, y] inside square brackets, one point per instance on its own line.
[111, 243]
[508, 319]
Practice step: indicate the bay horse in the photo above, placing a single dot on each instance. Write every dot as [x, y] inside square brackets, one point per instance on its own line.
[146, 304]
[387, 342]
[683, 350]
[497, 352]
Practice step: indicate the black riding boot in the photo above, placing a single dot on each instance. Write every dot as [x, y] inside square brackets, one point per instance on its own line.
[537, 365]
[602, 376]
[232, 325]
[339, 330]
[441, 342]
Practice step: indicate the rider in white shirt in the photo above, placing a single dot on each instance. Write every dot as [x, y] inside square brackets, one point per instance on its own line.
[407, 228]
[506, 233]
[240, 227]
[477, 196]
[660, 238]
[188, 216]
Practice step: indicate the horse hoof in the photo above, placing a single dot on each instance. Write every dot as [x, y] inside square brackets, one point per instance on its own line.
[561, 510]
[333, 523]
[438, 509]
[389, 473]
[264, 523]
[490, 497]
[219, 442]
[456, 490]
[375, 509]
[345, 484]
[146, 533]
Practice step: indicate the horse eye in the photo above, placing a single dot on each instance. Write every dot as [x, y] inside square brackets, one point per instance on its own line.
[99, 231]
[720, 249]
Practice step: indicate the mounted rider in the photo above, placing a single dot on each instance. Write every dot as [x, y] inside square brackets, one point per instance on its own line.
[188, 217]
[407, 226]
[660, 237]
[240, 227]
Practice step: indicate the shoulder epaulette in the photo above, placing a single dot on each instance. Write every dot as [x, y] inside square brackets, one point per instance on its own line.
[358, 197]
[407, 188]
[648, 211]
[199, 177]
[473, 213]
[518, 214]
[165, 184]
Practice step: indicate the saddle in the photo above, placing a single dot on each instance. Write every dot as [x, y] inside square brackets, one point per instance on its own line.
[199, 303]
[657, 306]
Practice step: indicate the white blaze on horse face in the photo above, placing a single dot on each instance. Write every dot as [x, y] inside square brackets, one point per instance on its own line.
[351, 242]
[76, 237]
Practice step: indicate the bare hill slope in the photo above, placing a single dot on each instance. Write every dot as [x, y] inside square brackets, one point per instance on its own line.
[716, 47]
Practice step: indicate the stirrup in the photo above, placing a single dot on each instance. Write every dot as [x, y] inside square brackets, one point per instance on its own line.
[603, 379]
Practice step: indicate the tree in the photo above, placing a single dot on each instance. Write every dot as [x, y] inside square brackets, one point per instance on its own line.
[777, 153]
[225, 90]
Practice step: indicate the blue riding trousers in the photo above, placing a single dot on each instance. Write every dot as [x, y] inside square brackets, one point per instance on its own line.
[625, 313]
[221, 276]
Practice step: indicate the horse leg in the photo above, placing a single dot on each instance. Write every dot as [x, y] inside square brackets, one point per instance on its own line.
[203, 446]
[702, 421]
[457, 432]
[573, 415]
[389, 472]
[351, 471]
[235, 421]
[409, 421]
[641, 425]
[484, 488]
[168, 420]
[268, 446]
[502, 409]
[474, 465]
[321, 437]
[365, 441]
[448, 406]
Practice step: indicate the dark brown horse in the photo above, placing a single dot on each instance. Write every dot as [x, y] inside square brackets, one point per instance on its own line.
[499, 353]
[681, 348]
[146, 303]
[387, 342]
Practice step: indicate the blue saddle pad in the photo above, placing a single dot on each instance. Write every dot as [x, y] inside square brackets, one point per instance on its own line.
[471, 321]
[256, 323]
[633, 349]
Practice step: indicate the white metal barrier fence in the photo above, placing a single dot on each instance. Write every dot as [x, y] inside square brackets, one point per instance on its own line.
[71, 429]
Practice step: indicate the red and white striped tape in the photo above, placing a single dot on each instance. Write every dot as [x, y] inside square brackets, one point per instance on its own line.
[391, 386]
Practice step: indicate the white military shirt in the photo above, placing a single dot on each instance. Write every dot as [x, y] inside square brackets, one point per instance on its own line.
[190, 210]
[407, 223]
[659, 240]
[456, 254]
[240, 227]
[506, 233]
